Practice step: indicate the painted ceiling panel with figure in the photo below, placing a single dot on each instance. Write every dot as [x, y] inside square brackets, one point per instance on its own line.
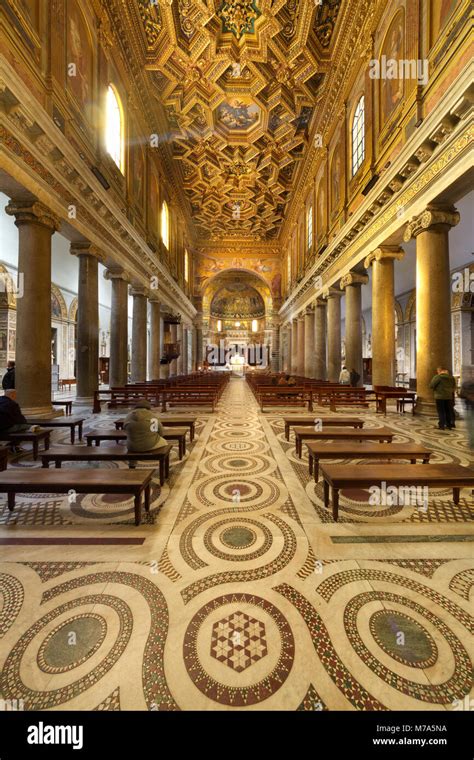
[239, 81]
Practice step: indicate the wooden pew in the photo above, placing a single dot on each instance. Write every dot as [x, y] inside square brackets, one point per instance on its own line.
[402, 396]
[59, 422]
[31, 480]
[337, 476]
[284, 396]
[117, 453]
[311, 422]
[382, 434]
[347, 450]
[178, 421]
[169, 434]
[28, 435]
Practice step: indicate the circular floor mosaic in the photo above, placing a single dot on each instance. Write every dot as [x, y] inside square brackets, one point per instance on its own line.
[238, 650]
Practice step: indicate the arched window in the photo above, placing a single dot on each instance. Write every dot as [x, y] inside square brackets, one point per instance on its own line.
[254, 325]
[309, 227]
[165, 224]
[186, 265]
[114, 127]
[358, 136]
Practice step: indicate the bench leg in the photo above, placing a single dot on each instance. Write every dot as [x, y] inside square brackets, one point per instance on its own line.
[89, 441]
[326, 494]
[167, 468]
[426, 460]
[57, 464]
[310, 463]
[73, 434]
[138, 508]
[11, 501]
[45, 463]
[79, 430]
[162, 471]
[412, 461]
[335, 503]
[191, 433]
[287, 432]
[316, 470]
[456, 493]
[35, 449]
[147, 498]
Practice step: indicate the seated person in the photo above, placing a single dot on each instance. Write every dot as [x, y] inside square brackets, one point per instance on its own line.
[143, 429]
[291, 381]
[11, 418]
[283, 380]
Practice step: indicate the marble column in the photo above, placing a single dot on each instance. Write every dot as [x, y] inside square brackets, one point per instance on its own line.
[382, 261]
[180, 339]
[275, 344]
[199, 348]
[309, 355]
[287, 356]
[139, 335]
[294, 347]
[36, 224]
[352, 284]
[174, 339]
[118, 328]
[87, 354]
[300, 357]
[320, 330]
[433, 298]
[333, 298]
[155, 340]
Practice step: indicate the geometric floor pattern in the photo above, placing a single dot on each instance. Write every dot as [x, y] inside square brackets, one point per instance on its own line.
[240, 593]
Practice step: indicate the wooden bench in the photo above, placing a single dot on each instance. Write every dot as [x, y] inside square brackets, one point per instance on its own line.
[311, 422]
[386, 451]
[178, 421]
[400, 394]
[169, 434]
[58, 422]
[354, 397]
[63, 402]
[190, 397]
[403, 402]
[28, 435]
[117, 453]
[284, 396]
[336, 477]
[134, 482]
[66, 381]
[382, 434]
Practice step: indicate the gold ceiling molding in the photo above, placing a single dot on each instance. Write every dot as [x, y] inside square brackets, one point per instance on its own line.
[238, 82]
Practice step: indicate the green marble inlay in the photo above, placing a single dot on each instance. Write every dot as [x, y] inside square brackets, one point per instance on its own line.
[238, 537]
[403, 638]
[238, 463]
[73, 642]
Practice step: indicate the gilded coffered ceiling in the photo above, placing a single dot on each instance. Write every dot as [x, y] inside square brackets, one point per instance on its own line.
[239, 82]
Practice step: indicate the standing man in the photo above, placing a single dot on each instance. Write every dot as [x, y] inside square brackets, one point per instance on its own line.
[444, 385]
[8, 380]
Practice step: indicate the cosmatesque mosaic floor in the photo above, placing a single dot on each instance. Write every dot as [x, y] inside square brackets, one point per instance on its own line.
[239, 592]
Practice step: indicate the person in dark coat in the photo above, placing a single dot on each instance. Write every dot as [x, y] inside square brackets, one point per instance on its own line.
[443, 385]
[355, 377]
[8, 380]
[11, 418]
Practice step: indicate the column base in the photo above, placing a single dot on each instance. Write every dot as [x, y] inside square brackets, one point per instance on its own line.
[41, 411]
[426, 408]
[83, 400]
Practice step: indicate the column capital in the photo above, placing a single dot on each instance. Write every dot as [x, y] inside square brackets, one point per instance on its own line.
[309, 310]
[301, 316]
[353, 278]
[394, 252]
[320, 303]
[332, 293]
[431, 217]
[85, 248]
[138, 290]
[26, 212]
[115, 274]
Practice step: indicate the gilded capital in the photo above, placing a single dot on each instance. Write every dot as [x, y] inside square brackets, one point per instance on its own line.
[432, 217]
[138, 290]
[33, 213]
[393, 252]
[353, 278]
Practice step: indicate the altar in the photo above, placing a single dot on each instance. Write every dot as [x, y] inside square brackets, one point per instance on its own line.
[237, 364]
